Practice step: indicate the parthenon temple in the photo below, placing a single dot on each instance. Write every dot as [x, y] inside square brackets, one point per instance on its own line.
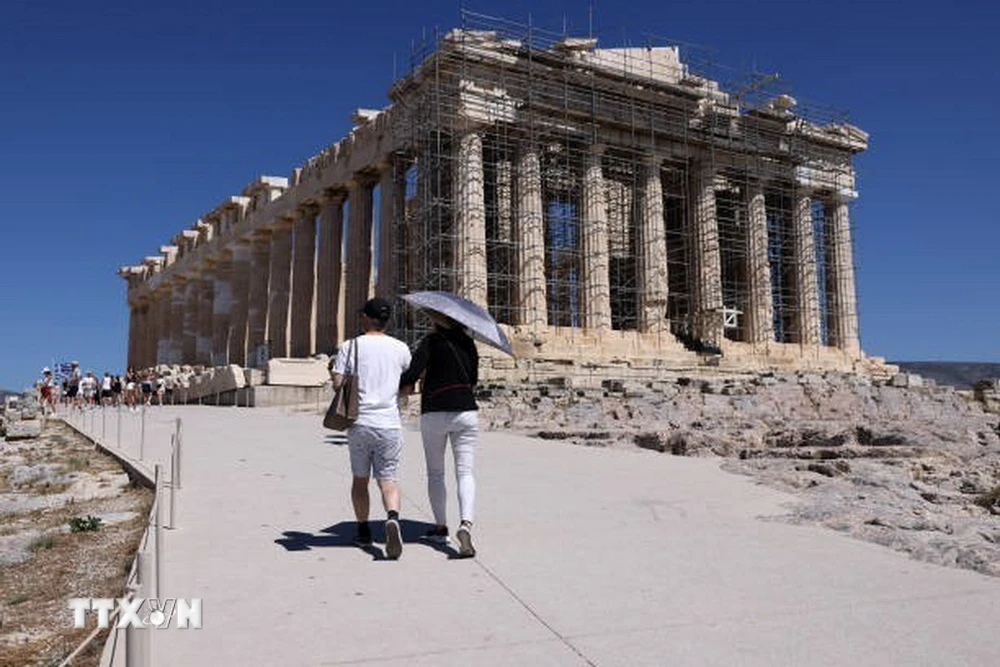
[615, 211]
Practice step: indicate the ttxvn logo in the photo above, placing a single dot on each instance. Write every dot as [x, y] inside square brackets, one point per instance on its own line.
[138, 612]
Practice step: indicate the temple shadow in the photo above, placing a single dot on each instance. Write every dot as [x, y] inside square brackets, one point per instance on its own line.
[342, 535]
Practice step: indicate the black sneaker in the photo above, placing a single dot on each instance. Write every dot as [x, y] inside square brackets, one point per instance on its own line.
[393, 540]
[437, 534]
[464, 536]
[363, 538]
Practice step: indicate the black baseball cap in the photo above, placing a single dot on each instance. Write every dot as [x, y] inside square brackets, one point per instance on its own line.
[378, 309]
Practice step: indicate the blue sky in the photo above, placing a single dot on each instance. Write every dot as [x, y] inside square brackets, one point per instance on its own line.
[122, 122]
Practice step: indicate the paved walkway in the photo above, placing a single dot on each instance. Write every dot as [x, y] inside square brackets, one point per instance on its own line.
[587, 557]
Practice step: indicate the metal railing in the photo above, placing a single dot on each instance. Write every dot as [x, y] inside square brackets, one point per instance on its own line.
[144, 575]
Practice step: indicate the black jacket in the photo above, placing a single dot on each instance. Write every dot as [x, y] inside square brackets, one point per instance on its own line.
[452, 364]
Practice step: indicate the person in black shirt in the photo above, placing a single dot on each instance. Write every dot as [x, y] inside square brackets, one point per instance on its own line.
[449, 363]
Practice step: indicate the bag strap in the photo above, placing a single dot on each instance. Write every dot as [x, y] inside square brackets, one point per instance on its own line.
[458, 359]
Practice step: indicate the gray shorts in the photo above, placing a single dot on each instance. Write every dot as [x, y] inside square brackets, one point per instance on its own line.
[375, 452]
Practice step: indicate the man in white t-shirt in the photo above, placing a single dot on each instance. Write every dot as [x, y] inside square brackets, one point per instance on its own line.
[88, 387]
[375, 439]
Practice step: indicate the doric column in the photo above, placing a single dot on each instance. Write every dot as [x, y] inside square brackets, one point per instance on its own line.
[164, 305]
[206, 298]
[139, 346]
[806, 294]
[150, 336]
[189, 324]
[280, 287]
[328, 272]
[303, 283]
[529, 241]
[470, 219]
[222, 306]
[260, 272]
[240, 311]
[594, 235]
[707, 264]
[652, 251]
[358, 259]
[842, 299]
[390, 220]
[134, 329]
[760, 316]
[178, 305]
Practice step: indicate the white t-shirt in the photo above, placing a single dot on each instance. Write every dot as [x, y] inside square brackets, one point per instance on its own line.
[381, 360]
[106, 383]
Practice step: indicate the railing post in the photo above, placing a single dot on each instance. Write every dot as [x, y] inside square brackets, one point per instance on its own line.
[156, 532]
[104, 425]
[119, 426]
[142, 430]
[133, 649]
[173, 478]
[177, 452]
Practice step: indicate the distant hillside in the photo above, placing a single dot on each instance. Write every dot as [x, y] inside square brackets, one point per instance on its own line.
[959, 374]
[4, 393]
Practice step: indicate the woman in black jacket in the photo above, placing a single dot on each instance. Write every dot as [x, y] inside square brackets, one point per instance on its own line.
[449, 363]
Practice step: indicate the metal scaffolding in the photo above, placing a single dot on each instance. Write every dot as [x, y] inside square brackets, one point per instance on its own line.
[541, 101]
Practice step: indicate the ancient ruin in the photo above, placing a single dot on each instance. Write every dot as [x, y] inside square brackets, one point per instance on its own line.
[620, 213]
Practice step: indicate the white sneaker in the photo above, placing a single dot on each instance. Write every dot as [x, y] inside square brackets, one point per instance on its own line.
[464, 537]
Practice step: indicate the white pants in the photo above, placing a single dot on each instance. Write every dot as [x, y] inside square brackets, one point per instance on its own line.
[463, 428]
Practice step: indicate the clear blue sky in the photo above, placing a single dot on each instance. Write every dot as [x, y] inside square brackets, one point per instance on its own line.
[122, 122]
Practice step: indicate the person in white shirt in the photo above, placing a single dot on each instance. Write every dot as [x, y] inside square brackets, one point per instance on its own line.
[375, 439]
[88, 387]
[106, 389]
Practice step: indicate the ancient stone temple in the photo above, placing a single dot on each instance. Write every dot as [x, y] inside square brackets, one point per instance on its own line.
[618, 212]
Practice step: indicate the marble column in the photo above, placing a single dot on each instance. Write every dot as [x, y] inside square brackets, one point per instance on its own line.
[328, 272]
[280, 287]
[806, 290]
[596, 254]
[358, 257]
[842, 298]
[303, 284]
[206, 297]
[140, 335]
[134, 328]
[760, 315]
[390, 220]
[222, 305]
[189, 338]
[529, 241]
[707, 261]
[178, 305]
[651, 242]
[470, 219]
[151, 337]
[257, 301]
[164, 304]
[240, 312]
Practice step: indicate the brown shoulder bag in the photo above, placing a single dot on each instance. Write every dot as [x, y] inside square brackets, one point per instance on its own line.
[343, 408]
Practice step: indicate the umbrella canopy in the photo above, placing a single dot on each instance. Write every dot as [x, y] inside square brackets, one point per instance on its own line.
[480, 323]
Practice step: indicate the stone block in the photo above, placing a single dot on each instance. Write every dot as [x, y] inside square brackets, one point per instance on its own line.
[21, 430]
[253, 376]
[297, 372]
[227, 378]
[907, 380]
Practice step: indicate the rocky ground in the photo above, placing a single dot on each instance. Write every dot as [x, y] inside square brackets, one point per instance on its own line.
[913, 468]
[45, 483]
